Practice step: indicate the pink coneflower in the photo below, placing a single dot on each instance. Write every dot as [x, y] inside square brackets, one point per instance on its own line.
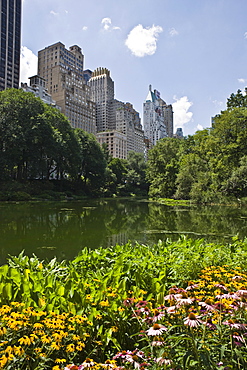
[220, 286]
[171, 309]
[144, 310]
[157, 315]
[156, 329]
[142, 304]
[237, 278]
[157, 343]
[237, 337]
[129, 302]
[184, 300]
[241, 303]
[234, 325]
[242, 293]
[171, 295]
[124, 355]
[192, 320]
[86, 364]
[163, 361]
[191, 286]
[227, 296]
[208, 305]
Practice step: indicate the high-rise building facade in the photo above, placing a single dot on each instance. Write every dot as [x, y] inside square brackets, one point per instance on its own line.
[102, 89]
[10, 43]
[157, 117]
[118, 124]
[63, 71]
[38, 88]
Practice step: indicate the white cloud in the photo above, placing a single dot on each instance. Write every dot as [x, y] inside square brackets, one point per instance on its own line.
[181, 111]
[217, 103]
[143, 41]
[106, 23]
[242, 80]
[84, 28]
[28, 64]
[54, 13]
[173, 32]
[245, 35]
[199, 127]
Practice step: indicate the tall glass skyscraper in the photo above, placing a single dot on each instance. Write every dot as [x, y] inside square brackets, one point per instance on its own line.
[10, 43]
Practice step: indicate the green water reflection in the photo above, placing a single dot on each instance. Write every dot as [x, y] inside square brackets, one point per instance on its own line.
[62, 229]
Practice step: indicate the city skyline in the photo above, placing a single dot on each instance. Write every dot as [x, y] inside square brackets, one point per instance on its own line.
[194, 53]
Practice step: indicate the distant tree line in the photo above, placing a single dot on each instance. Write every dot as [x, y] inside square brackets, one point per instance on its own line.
[209, 165]
[41, 152]
[38, 146]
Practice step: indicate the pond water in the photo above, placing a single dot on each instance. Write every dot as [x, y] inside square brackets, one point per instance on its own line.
[62, 229]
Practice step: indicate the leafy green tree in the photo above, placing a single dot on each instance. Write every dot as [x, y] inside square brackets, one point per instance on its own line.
[163, 167]
[19, 114]
[119, 168]
[136, 172]
[237, 100]
[237, 183]
[63, 152]
[117, 176]
[92, 161]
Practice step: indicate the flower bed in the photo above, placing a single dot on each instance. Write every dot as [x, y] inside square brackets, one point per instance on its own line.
[201, 326]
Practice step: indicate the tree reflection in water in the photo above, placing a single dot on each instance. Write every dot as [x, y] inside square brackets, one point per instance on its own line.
[62, 229]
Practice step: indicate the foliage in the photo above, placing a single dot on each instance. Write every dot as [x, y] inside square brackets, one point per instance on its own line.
[197, 325]
[162, 169]
[92, 161]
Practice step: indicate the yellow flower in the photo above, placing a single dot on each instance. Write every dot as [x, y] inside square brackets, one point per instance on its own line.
[60, 360]
[56, 367]
[3, 331]
[45, 339]
[55, 345]
[25, 340]
[18, 351]
[114, 329]
[75, 337]
[104, 303]
[80, 346]
[70, 348]
[111, 295]
[38, 325]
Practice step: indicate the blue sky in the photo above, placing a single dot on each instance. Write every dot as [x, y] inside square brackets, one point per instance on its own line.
[194, 52]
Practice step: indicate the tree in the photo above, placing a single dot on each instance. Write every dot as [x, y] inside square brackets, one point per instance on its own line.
[63, 152]
[237, 100]
[163, 166]
[92, 165]
[136, 172]
[19, 113]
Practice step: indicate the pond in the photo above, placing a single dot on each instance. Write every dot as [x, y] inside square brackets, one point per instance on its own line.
[62, 229]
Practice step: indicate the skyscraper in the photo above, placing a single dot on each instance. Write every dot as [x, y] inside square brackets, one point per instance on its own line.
[118, 123]
[102, 88]
[10, 43]
[63, 71]
[157, 117]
